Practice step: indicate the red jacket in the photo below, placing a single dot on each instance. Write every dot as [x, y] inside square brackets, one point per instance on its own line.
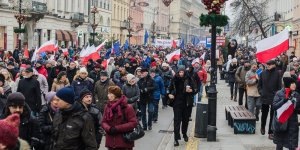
[202, 74]
[117, 141]
[43, 71]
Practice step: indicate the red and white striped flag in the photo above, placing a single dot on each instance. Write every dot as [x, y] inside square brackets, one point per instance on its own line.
[100, 47]
[272, 47]
[197, 60]
[65, 51]
[285, 111]
[48, 46]
[174, 55]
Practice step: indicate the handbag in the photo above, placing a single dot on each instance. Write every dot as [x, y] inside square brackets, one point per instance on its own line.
[170, 102]
[277, 126]
[136, 134]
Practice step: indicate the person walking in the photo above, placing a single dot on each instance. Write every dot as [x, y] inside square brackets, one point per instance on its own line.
[159, 91]
[167, 75]
[180, 91]
[268, 84]
[254, 102]
[231, 79]
[118, 118]
[81, 81]
[288, 137]
[146, 86]
[60, 82]
[240, 79]
[131, 91]
[73, 126]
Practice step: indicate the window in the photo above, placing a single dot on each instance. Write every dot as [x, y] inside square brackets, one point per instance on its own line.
[101, 4]
[104, 5]
[108, 21]
[108, 6]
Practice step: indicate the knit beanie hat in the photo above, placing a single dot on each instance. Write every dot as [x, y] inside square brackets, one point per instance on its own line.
[287, 81]
[16, 99]
[104, 73]
[9, 129]
[83, 70]
[66, 94]
[115, 90]
[129, 77]
[84, 93]
[49, 96]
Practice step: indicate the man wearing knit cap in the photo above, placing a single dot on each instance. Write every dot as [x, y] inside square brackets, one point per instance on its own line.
[95, 74]
[28, 124]
[166, 75]
[73, 126]
[82, 81]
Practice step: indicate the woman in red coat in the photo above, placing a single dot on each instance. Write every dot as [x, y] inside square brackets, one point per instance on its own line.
[118, 118]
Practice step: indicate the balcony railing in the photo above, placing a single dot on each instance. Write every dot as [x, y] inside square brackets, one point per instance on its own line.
[39, 7]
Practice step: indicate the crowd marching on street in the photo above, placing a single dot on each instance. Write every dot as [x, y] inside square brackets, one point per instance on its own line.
[63, 101]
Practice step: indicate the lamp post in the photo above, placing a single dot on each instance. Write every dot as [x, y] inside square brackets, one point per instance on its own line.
[21, 18]
[129, 29]
[94, 25]
[189, 14]
[213, 19]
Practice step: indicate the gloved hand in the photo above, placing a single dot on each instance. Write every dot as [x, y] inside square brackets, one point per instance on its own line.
[145, 89]
[113, 131]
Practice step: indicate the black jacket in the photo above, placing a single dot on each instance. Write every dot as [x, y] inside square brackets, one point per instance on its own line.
[74, 130]
[231, 73]
[29, 128]
[3, 101]
[146, 86]
[30, 88]
[268, 84]
[95, 76]
[45, 120]
[71, 74]
[51, 76]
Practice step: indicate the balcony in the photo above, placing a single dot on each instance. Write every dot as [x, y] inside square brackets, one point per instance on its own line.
[77, 19]
[124, 25]
[38, 11]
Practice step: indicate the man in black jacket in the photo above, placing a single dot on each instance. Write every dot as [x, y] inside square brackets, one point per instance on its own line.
[269, 83]
[95, 73]
[146, 86]
[29, 128]
[71, 71]
[30, 88]
[73, 126]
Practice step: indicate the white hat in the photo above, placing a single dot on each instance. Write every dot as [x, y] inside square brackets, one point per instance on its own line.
[130, 77]
[82, 70]
[234, 60]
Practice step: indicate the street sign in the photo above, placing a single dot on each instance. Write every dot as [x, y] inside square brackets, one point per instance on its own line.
[208, 42]
[221, 41]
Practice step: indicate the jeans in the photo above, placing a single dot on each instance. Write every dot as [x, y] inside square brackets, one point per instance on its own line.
[144, 115]
[254, 103]
[200, 92]
[241, 96]
[264, 115]
[233, 89]
[155, 113]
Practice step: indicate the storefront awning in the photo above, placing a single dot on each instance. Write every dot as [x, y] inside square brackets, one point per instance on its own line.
[59, 36]
[66, 36]
[73, 35]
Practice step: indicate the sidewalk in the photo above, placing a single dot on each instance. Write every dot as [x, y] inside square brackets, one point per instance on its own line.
[226, 139]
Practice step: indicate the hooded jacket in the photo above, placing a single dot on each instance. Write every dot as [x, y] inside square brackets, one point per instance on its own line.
[101, 91]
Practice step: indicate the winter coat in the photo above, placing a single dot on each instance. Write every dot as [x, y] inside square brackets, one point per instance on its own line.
[42, 70]
[178, 89]
[94, 75]
[240, 75]
[29, 129]
[159, 88]
[252, 83]
[43, 86]
[30, 88]
[80, 84]
[202, 75]
[45, 120]
[268, 84]
[146, 86]
[132, 92]
[97, 118]
[167, 75]
[57, 85]
[123, 124]
[51, 76]
[74, 129]
[289, 138]
[7, 89]
[71, 74]
[3, 101]
[101, 91]
[231, 73]
[58, 69]
[118, 79]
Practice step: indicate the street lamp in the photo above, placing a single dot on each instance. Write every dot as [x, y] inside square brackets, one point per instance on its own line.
[94, 25]
[213, 19]
[129, 29]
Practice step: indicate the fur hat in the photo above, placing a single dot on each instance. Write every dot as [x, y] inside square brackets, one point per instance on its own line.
[9, 129]
[116, 91]
[16, 99]
[287, 81]
[49, 96]
[66, 94]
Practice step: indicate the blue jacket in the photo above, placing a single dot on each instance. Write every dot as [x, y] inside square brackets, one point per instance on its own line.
[159, 87]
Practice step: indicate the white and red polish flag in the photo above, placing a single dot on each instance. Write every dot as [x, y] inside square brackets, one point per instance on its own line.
[174, 55]
[197, 60]
[285, 111]
[271, 47]
[174, 44]
[48, 46]
[90, 53]
[100, 47]
[65, 51]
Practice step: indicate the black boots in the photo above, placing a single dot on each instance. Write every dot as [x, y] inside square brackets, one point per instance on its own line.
[186, 138]
[176, 143]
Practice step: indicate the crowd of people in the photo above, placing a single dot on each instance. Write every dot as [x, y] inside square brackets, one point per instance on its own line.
[58, 101]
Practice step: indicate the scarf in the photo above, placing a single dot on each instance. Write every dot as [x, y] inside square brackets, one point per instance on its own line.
[114, 106]
[287, 93]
